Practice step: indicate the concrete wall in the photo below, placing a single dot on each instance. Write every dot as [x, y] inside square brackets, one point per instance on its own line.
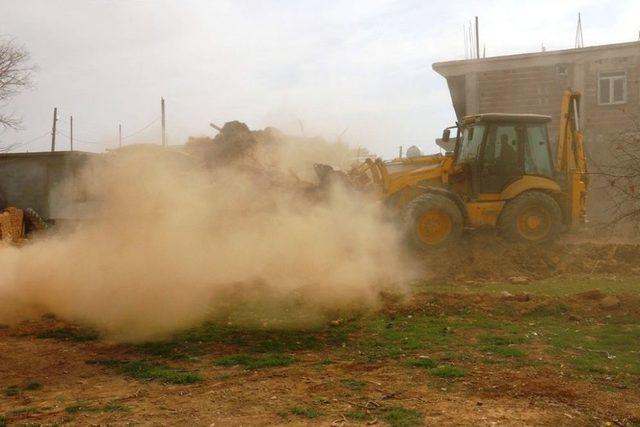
[536, 90]
[46, 182]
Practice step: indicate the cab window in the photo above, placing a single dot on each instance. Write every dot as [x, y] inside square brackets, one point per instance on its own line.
[471, 141]
[501, 151]
[537, 159]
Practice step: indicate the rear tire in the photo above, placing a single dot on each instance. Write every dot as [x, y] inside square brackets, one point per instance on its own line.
[432, 221]
[532, 217]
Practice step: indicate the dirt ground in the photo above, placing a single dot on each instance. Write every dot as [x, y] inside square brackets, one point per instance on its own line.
[559, 345]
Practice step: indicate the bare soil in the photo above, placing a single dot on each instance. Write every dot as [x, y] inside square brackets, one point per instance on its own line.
[342, 387]
[235, 396]
[486, 258]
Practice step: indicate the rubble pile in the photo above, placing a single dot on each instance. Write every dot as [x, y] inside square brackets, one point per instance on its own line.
[11, 225]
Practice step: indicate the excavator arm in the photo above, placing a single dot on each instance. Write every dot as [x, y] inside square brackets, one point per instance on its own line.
[571, 161]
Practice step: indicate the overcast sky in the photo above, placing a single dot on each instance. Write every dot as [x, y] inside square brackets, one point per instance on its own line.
[363, 66]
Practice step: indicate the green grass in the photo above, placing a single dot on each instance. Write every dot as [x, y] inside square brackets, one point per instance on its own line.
[552, 309]
[610, 349]
[75, 409]
[422, 362]
[115, 407]
[502, 345]
[447, 371]
[403, 417]
[25, 411]
[84, 407]
[255, 362]
[353, 384]
[501, 340]
[3, 421]
[306, 412]
[504, 351]
[358, 416]
[78, 334]
[196, 341]
[33, 386]
[144, 370]
[456, 333]
[392, 338]
[12, 390]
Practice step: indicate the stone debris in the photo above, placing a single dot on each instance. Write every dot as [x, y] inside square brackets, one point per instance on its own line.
[12, 225]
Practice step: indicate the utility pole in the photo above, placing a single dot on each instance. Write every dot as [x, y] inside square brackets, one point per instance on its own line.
[164, 134]
[120, 136]
[71, 132]
[53, 130]
[477, 41]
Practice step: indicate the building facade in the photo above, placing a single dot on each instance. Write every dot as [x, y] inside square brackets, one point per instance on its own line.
[608, 77]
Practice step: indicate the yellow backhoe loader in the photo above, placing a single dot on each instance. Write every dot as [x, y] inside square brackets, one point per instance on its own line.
[501, 174]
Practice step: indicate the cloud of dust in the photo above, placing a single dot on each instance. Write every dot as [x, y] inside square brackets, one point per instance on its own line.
[176, 243]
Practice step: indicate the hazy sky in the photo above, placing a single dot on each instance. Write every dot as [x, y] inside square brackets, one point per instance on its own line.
[363, 66]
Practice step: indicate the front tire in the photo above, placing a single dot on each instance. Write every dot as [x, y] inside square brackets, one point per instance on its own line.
[432, 221]
[531, 217]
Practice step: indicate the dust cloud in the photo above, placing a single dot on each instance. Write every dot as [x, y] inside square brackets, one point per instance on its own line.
[178, 239]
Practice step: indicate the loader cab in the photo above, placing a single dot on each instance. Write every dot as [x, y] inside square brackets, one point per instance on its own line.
[495, 150]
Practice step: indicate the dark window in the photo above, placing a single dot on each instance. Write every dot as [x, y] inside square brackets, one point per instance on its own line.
[501, 151]
[501, 163]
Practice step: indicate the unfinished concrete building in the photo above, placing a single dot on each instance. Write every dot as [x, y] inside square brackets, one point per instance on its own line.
[607, 76]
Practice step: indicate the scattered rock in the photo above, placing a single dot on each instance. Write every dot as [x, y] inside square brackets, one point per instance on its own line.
[610, 302]
[523, 297]
[505, 294]
[519, 280]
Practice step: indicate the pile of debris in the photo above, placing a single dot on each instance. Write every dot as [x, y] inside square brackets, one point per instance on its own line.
[261, 153]
[12, 225]
[16, 223]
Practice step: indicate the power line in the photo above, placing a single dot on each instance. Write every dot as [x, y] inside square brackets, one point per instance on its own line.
[84, 141]
[142, 128]
[27, 143]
